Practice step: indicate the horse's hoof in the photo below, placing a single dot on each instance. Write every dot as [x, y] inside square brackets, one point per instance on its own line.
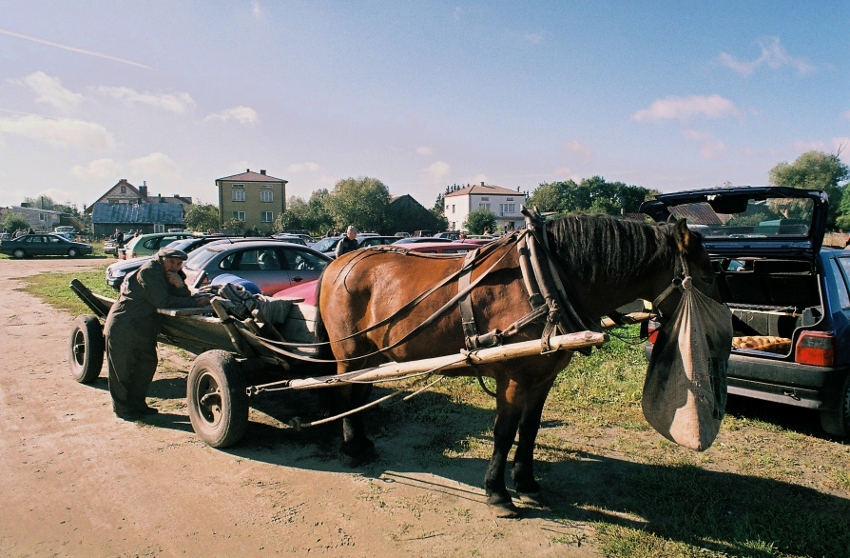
[360, 458]
[532, 498]
[504, 510]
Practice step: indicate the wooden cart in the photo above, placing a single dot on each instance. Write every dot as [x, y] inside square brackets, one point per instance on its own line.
[230, 347]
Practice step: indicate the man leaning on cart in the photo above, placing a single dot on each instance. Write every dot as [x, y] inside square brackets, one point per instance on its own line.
[133, 324]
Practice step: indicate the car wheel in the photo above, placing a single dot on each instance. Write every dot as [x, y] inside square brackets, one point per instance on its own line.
[217, 400]
[19, 253]
[73, 253]
[86, 346]
[837, 421]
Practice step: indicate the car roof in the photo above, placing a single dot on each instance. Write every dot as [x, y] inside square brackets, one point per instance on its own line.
[222, 246]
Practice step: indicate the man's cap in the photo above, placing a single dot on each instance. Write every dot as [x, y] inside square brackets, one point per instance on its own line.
[171, 253]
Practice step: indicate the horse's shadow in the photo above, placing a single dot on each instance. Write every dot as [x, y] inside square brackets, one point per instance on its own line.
[419, 443]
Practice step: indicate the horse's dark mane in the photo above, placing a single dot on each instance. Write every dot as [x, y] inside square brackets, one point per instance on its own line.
[602, 246]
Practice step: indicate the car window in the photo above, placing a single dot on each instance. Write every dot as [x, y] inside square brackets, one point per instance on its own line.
[33, 239]
[326, 244]
[302, 260]
[54, 239]
[841, 282]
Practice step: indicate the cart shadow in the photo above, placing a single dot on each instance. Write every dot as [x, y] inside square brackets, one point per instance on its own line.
[425, 445]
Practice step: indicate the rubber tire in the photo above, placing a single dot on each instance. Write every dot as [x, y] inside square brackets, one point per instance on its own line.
[19, 253]
[837, 421]
[73, 253]
[222, 421]
[86, 347]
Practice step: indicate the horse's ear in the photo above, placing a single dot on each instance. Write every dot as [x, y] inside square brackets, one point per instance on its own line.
[684, 238]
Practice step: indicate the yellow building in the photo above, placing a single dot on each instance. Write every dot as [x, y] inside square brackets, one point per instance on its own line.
[254, 198]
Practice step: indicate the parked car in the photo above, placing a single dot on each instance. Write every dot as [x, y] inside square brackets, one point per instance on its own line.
[149, 244]
[291, 238]
[789, 295]
[328, 245]
[29, 245]
[116, 272]
[451, 235]
[415, 239]
[441, 247]
[375, 240]
[269, 264]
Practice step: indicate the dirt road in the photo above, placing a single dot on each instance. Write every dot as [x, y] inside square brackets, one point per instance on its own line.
[77, 481]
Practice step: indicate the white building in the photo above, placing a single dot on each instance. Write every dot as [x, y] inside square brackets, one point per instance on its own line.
[503, 203]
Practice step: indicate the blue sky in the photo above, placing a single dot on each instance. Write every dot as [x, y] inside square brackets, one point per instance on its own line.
[665, 95]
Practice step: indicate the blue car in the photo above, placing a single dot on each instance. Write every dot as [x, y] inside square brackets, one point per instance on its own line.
[789, 295]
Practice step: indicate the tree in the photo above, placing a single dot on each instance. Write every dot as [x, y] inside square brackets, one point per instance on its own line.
[362, 202]
[202, 217]
[816, 170]
[479, 220]
[13, 221]
[41, 202]
[591, 195]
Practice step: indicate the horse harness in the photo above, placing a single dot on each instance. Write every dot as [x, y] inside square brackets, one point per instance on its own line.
[549, 292]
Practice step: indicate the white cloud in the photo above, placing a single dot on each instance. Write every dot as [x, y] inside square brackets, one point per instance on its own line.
[535, 38]
[846, 115]
[243, 115]
[155, 164]
[479, 178]
[773, 55]
[63, 132]
[256, 9]
[303, 167]
[423, 150]
[710, 147]
[101, 168]
[684, 108]
[803, 146]
[49, 91]
[175, 102]
[438, 170]
[575, 146]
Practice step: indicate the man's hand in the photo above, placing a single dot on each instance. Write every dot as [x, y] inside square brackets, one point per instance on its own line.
[174, 279]
[203, 300]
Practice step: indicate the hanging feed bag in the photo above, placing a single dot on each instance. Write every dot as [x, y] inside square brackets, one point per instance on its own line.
[684, 395]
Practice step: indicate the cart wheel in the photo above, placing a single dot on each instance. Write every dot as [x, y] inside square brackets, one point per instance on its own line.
[837, 421]
[217, 400]
[86, 347]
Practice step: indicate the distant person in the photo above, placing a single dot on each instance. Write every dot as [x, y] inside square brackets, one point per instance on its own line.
[118, 237]
[348, 243]
[461, 236]
[31, 231]
[486, 230]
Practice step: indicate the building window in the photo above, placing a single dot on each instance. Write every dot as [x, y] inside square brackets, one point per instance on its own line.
[484, 206]
[266, 196]
[239, 215]
[509, 199]
[485, 198]
[453, 208]
[238, 192]
[123, 189]
[266, 216]
[42, 216]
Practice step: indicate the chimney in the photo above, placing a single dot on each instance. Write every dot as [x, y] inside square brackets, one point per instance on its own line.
[482, 183]
[262, 171]
[247, 170]
[143, 189]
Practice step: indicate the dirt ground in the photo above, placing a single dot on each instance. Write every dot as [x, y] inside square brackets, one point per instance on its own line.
[77, 481]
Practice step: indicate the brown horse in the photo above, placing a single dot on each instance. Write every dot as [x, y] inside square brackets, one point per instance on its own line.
[608, 262]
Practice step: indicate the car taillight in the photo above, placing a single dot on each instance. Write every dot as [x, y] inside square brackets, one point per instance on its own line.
[816, 348]
[653, 328]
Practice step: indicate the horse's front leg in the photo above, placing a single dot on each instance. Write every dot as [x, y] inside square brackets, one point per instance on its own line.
[508, 414]
[522, 473]
[356, 447]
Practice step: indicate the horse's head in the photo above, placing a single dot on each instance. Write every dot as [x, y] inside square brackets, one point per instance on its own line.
[693, 264]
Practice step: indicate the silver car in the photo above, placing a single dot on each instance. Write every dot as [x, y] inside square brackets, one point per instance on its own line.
[271, 265]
